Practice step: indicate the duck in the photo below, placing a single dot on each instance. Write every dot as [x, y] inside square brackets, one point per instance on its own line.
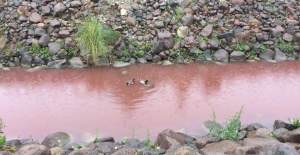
[150, 85]
[144, 82]
[130, 82]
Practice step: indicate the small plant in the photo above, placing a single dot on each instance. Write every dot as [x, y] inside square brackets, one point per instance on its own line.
[2, 141]
[95, 38]
[148, 141]
[240, 47]
[295, 122]
[42, 52]
[178, 14]
[284, 46]
[176, 39]
[251, 55]
[97, 139]
[138, 53]
[263, 48]
[201, 39]
[124, 140]
[231, 128]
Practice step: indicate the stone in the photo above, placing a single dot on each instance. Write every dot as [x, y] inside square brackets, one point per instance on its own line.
[290, 136]
[214, 45]
[187, 20]
[120, 64]
[130, 21]
[182, 31]
[254, 126]
[166, 38]
[267, 55]
[275, 32]
[35, 17]
[276, 132]
[222, 147]
[58, 138]
[44, 40]
[156, 58]
[237, 56]
[125, 151]
[201, 142]
[22, 10]
[3, 41]
[261, 132]
[169, 139]
[103, 62]
[243, 36]
[203, 46]
[46, 10]
[26, 61]
[279, 55]
[59, 7]
[207, 55]
[237, 2]
[76, 3]
[159, 24]
[227, 35]
[141, 60]
[103, 148]
[39, 32]
[167, 63]
[37, 61]
[76, 62]
[184, 150]
[54, 23]
[33, 149]
[297, 37]
[123, 12]
[287, 37]
[281, 124]
[56, 64]
[221, 55]
[207, 30]
[14, 142]
[57, 150]
[64, 33]
[53, 47]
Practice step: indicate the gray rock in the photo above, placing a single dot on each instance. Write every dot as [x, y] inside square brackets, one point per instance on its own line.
[254, 126]
[281, 124]
[103, 62]
[169, 139]
[53, 47]
[35, 17]
[46, 10]
[125, 151]
[76, 62]
[167, 39]
[201, 142]
[267, 55]
[39, 32]
[207, 30]
[187, 20]
[159, 24]
[279, 56]
[214, 45]
[14, 142]
[130, 21]
[33, 149]
[59, 7]
[38, 61]
[227, 35]
[26, 61]
[297, 37]
[76, 3]
[158, 47]
[52, 140]
[64, 33]
[276, 32]
[44, 40]
[3, 41]
[167, 63]
[221, 55]
[54, 23]
[156, 58]
[279, 131]
[56, 64]
[237, 56]
[290, 136]
[183, 3]
[120, 64]
[141, 60]
[287, 37]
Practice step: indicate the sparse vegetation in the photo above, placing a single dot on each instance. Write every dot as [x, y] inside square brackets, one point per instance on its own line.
[295, 122]
[2, 138]
[178, 14]
[251, 54]
[39, 51]
[95, 38]
[230, 130]
[201, 39]
[284, 46]
[240, 47]
[176, 39]
[148, 141]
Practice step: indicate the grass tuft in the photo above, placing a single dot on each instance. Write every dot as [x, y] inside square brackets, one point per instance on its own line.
[93, 37]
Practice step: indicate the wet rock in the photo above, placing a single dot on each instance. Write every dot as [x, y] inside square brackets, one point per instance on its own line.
[76, 62]
[279, 55]
[39, 32]
[26, 61]
[182, 31]
[184, 150]
[3, 41]
[53, 47]
[76, 3]
[120, 64]
[187, 20]
[44, 40]
[222, 147]
[33, 149]
[281, 124]
[254, 126]
[237, 56]
[287, 37]
[207, 30]
[56, 64]
[290, 136]
[261, 132]
[221, 55]
[267, 55]
[59, 7]
[35, 17]
[64, 33]
[103, 62]
[134, 143]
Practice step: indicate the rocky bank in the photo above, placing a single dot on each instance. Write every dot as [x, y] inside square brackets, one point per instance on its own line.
[43, 32]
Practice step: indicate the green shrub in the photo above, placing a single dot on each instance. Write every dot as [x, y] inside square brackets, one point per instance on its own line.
[230, 130]
[295, 122]
[2, 141]
[93, 37]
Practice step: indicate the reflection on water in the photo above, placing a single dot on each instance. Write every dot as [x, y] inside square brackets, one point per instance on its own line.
[78, 101]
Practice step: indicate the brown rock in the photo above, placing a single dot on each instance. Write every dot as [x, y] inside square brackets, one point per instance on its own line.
[169, 139]
[35, 149]
[243, 36]
[22, 10]
[237, 2]
[290, 136]
[261, 132]
[64, 33]
[130, 21]
[287, 37]
[35, 17]
[207, 30]
[223, 147]
[184, 150]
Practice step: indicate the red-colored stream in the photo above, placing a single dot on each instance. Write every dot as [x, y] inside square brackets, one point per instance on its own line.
[83, 102]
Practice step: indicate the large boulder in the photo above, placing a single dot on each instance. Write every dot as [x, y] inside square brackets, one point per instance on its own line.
[33, 149]
[290, 136]
[281, 124]
[57, 139]
[221, 55]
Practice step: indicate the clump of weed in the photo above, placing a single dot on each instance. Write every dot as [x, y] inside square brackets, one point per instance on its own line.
[2, 138]
[251, 54]
[201, 39]
[148, 141]
[176, 39]
[95, 38]
[284, 46]
[295, 122]
[230, 130]
[178, 14]
[240, 47]
[39, 51]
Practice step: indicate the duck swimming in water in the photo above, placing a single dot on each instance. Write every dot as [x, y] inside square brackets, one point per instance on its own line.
[130, 82]
[144, 82]
[150, 85]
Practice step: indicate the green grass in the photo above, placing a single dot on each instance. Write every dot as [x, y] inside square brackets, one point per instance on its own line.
[39, 51]
[284, 46]
[240, 47]
[201, 39]
[95, 38]
[178, 14]
[251, 54]
[230, 130]
[295, 122]
[176, 39]
[2, 141]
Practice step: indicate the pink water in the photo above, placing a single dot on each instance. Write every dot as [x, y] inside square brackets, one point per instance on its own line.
[88, 101]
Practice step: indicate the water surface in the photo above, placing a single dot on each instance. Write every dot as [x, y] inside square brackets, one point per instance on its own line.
[96, 100]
